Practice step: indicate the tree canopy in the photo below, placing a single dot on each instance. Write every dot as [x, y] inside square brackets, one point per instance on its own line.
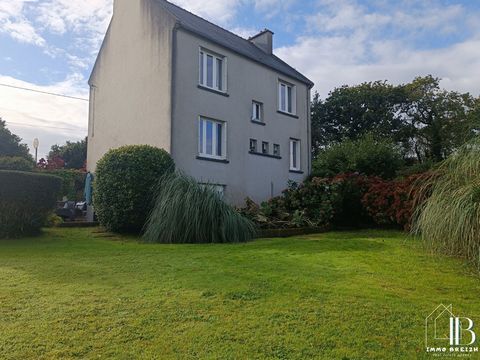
[428, 121]
[74, 154]
[10, 144]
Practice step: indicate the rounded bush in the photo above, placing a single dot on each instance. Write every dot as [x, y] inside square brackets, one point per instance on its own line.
[124, 183]
[15, 163]
[26, 201]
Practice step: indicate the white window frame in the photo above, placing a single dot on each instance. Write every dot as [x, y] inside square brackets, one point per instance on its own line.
[295, 143]
[203, 70]
[202, 139]
[292, 98]
[256, 104]
[219, 189]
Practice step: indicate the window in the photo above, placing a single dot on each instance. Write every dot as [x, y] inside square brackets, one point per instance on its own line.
[257, 111]
[265, 147]
[218, 189]
[212, 71]
[276, 149]
[294, 155]
[286, 98]
[212, 138]
[253, 145]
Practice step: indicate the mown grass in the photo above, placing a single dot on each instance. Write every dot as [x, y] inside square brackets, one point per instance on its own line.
[364, 295]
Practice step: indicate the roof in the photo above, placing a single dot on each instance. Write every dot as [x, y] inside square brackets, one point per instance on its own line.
[229, 40]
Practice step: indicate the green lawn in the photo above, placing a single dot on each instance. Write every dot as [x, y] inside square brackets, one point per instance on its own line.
[363, 295]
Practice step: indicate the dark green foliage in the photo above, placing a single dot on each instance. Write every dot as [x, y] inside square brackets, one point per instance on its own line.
[26, 201]
[428, 122]
[124, 184]
[73, 184]
[73, 153]
[350, 112]
[312, 204]
[15, 163]
[187, 212]
[367, 155]
[10, 144]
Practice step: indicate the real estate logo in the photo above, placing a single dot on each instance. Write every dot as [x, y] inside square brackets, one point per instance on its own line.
[446, 333]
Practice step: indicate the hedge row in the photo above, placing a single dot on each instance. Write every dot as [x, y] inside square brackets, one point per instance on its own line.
[26, 200]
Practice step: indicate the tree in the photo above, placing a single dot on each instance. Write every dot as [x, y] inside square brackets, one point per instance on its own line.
[351, 112]
[436, 121]
[427, 121]
[74, 154]
[10, 144]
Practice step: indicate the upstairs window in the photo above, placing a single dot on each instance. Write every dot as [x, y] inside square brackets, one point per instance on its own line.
[212, 139]
[257, 111]
[286, 98]
[294, 155]
[212, 71]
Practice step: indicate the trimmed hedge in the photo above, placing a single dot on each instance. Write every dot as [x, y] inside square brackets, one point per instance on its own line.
[124, 185]
[15, 163]
[26, 201]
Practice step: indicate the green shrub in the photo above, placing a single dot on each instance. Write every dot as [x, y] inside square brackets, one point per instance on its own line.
[367, 156]
[124, 184]
[73, 183]
[311, 204]
[187, 212]
[26, 201]
[15, 163]
[449, 220]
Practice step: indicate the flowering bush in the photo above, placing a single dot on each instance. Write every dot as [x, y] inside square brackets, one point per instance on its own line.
[392, 203]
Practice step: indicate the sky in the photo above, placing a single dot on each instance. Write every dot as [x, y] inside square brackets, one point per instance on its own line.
[51, 46]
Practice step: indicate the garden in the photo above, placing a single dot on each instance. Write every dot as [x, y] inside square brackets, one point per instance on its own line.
[392, 207]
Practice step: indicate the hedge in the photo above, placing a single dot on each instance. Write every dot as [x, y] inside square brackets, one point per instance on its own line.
[124, 185]
[15, 163]
[26, 201]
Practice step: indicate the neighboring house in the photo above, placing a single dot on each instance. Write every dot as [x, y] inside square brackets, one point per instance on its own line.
[229, 112]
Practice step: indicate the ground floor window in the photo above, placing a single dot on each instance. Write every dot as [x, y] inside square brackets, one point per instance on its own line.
[219, 189]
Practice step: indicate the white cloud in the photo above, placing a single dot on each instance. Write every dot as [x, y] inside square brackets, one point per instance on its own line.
[217, 11]
[50, 119]
[14, 23]
[350, 44]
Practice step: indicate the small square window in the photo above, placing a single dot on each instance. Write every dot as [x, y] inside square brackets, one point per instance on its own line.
[253, 145]
[265, 147]
[276, 150]
[257, 111]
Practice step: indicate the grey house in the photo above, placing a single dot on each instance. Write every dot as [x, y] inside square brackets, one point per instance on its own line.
[229, 112]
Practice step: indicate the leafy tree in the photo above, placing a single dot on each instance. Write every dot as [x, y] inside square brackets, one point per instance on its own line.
[429, 122]
[10, 144]
[351, 112]
[437, 121]
[74, 154]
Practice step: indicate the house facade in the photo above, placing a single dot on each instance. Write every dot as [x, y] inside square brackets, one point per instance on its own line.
[230, 113]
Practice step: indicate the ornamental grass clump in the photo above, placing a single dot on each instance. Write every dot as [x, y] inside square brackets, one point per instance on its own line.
[449, 220]
[187, 212]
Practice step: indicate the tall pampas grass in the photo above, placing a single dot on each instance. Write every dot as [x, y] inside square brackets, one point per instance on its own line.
[449, 220]
[187, 212]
